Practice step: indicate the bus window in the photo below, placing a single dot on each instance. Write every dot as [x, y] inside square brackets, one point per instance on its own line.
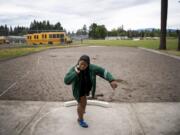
[42, 35]
[37, 36]
[54, 36]
[34, 36]
[62, 36]
[50, 36]
[58, 35]
[45, 36]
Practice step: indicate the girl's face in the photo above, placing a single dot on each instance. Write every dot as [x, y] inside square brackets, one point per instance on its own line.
[82, 65]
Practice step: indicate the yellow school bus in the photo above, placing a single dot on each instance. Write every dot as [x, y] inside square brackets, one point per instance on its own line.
[47, 38]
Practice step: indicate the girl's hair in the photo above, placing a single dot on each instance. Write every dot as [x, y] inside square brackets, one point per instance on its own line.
[85, 58]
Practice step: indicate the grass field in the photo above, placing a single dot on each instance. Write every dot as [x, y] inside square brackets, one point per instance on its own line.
[6, 53]
[15, 52]
[151, 44]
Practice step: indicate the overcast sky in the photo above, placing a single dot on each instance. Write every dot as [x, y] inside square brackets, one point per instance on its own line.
[73, 14]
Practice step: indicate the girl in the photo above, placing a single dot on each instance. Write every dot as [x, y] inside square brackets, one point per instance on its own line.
[83, 80]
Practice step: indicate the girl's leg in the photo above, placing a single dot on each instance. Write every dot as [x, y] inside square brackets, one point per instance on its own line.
[84, 103]
[81, 107]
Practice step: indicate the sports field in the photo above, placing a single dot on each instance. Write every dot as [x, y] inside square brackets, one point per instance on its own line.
[16, 51]
[151, 77]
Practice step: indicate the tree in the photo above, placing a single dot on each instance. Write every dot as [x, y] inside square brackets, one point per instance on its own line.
[19, 30]
[114, 32]
[84, 29]
[10, 31]
[48, 26]
[142, 34]
[58, 26]
[79, 32]
[101, 32]
[97, 31]
[44, 26]
[164, 9]
[120, 31]
[129, 33]
[1, 30]
[6, 30]
[92, 30]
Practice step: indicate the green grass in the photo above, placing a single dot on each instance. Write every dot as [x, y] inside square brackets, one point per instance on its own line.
[151, 44]
[7, 53]
[15, 52]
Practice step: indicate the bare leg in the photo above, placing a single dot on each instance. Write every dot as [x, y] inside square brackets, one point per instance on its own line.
[81, 107]
[84, 103]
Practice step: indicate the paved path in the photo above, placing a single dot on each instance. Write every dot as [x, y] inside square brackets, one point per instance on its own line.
[52, 118]
[151, 77]
[142, 107]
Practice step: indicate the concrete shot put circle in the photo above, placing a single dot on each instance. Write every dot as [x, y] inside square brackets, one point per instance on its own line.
[101, 117]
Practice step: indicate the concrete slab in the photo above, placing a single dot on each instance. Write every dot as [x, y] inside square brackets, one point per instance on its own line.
[53, 118]
[15, 116]
[158, 118]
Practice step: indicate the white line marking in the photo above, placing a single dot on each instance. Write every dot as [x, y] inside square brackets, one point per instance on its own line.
[15, 83]
[20, 79]
[96, 46]
[38, 60]
[8, 89]
[42, 117]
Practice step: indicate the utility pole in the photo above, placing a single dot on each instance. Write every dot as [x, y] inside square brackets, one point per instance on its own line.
[178, 32]
[164, 9]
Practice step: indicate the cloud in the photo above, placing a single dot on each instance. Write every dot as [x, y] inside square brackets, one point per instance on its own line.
[74, 14]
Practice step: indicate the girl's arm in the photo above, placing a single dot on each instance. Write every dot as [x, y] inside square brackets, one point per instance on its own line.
[70, 76]
[103, 73]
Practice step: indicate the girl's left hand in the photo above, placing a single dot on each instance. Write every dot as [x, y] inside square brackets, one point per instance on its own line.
[114, 85]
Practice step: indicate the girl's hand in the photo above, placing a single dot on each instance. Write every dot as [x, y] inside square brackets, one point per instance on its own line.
[77, 69]
[114, 85]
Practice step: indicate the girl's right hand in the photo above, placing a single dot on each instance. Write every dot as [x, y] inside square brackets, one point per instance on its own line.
[77, 69]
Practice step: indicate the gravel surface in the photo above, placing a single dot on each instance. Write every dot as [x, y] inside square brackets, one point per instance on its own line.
[151, 77]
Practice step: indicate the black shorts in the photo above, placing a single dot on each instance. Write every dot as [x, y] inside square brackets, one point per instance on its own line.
[84, 93]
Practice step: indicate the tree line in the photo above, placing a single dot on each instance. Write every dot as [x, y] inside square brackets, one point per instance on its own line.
[94, 31]
[35, 26]
[100, 32]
